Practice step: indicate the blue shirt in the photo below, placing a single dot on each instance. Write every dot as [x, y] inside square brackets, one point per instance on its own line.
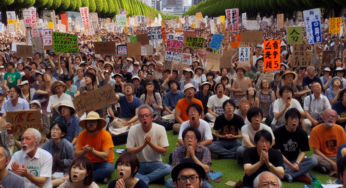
[330, 94]
[73, 128]
[341, 110]
[184, 82]
[307, 81]
[171, 100]
[7, 106]
[65, 151]
[139, 91]
[338, 153]
[128, 110]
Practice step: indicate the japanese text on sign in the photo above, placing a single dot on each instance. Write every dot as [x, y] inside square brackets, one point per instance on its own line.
[271, 55]
[216, 41]
[121, 20]
[244, 54]
[65, 43]
[194, 42]
[29, 17]
[294, 35]
[312, 20]
[334, 25]
[174, 49]
[232, 17]
[154, 33]
[84, 11]
[301, 56]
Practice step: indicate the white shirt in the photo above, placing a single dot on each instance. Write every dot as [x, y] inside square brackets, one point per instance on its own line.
[199, 79]
[279, 105]
[136, 138]
[254, 59]
[216, 103]
[40, 166]
[204, 129]
[247, 131]
[54, 99]
[318, 106]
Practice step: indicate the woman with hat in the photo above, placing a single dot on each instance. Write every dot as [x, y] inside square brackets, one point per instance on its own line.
[188, 74]
[71, 89]
[288, 78]
[58, 89]
[240, 85]
[25, 88]
[326, 78]
[340, 72]
[153, 99]
[199, 77]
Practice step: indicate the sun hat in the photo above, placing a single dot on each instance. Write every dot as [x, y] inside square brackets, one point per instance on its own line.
[135, 77]
[66, 103]
[35, 102]
[188, 86]
[24, 82]
[188, 70]
[92, 116]
[199, 67]
[187, 163]
[56, 84]
[288, 72]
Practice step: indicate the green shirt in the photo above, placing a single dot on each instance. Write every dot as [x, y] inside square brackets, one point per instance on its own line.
[12, 78]
[250, 75]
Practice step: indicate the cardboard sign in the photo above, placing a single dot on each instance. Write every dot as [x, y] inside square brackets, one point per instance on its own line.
[301, 57]
[244, 54]
[95, 99]
[235, 40]
[198, 16]
[280, 21]
[174, 50]
[194, 42]
[143, 39]
[216, 41]
[65, 43]
[104, 47]
[272, 55]
[121, 20]
[232, 17]
[24, 51]
[190, 33]
[294, 35]
[37, 44]
[213, 61]
[328, 58]
[94, 20]
[312, 19]
[247, 37]
[226, 58]
[122, 49]
[187, 58]
[252, 25]
[334, 25]
[133, 49]
[22, 120]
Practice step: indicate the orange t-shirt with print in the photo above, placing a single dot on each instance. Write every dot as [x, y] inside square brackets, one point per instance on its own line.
[182, 106]
[327, 141]
[102, 141]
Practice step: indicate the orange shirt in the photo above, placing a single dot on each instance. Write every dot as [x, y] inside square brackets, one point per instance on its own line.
[182, 106]
[102, 141]
[327, 141]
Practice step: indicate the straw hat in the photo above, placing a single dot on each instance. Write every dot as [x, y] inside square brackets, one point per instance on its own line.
[199, 67]
[289, 72]
[67, 104]
[92, 116]
[56, 84]
[188, 86]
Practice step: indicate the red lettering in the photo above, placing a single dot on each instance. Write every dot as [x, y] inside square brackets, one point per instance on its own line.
[20, 117]
[28, 119]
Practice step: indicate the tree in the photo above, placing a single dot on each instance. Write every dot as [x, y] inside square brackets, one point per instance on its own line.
[65, 4]
[92, 6]
[99, 5]
[40, 3]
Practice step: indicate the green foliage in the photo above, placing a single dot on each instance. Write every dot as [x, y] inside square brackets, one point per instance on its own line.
[99, 5]
[56, 4]
[116, 7]
[274, 5]
[78, 4]
[6, 2]
[65, 4]
[85, 3]
[73, 5]
[40, 3]
[290, 4]
[48, 4]
[111, 9]
[92, 6]
[105, 7]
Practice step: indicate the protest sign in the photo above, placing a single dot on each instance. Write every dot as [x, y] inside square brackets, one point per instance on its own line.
[243, 19]
[104, 47]
[244, 54]
[226, 58]
[164, 35]
[110, 28]
[24, 51]
[22, 120]
[29, 17]
[94, 20]
[121, 20]
[64, 21]
[11, 17]
[198, 16]
[328, 58]
[37, 45]
[235, 40]
[65, 43]
[154, 33]
[312, 20]
[232, 17]
[174, 50]
[216, 41]
[294, 35]
[133, 39]
[194, 42]
[84, 12]
[187, 58]
[119, 29]
[143, 39]
[301, 57]
[95, 99]
[133, 49]
[334, 25]
[122, 49]
[280, 21]
[248, 37]
[189, 33]
[47, 39]
[272, 55]
[252, 25]
[213, 61]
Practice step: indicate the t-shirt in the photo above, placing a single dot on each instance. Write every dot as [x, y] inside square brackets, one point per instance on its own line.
[12, 78]
[39, 166]
[102, 141]
[291, 143]
[204, 129]
[216, 103]
[327, 141]
[251, 157]
[182, 106]
[279, 105]
[139, 184]
[228, 127]
[341, 110]
[136, 138]
[128, 110]
[247, 131]
[12, 180]
[307, 81]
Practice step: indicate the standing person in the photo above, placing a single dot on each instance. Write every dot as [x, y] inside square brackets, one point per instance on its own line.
[215, 102]
[97, 145]
[58, 89]
[8, 178]
[293, 143]
[11, 77]
[148, 141]
[226, 129]
[340, 108]
[266, 97]
[15, 103]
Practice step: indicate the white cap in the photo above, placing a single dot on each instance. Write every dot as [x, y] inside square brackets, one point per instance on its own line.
[188, 86]
[36, 102]
[24, 82]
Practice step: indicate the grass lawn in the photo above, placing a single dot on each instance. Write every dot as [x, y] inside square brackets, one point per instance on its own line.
[230, 169]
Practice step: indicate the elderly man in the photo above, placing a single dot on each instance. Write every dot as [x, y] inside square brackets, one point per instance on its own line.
[8, 178]
[148, 141]
[188, 174]
[32, 162]
[325, 140]
[311, 78]
[265, 179]
[15, 103]
[97, 145]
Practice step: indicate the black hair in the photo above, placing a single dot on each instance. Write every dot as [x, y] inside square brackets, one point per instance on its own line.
[293, 113]
[210, 74]
[195, 105]
[33, 63]
[38, 54]
[196, 131]
[68, 77]
[27, 67]
[285, 87]
[262, 86]
[173, 81]
[131, 159]
[228, 101]
[341, 94]
[145, 91]
[62, 126]
[217, 85]
[265, 134]
[254, 111]
[18, 90]
[247, 93]
[341, 167]
[92, 76]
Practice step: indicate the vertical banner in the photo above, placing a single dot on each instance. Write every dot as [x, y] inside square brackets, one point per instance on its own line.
[271, 55]
[47, 39]
[334, 25]
[174, 49]
[232, 16]
[294, 35]
[29, 17]
[47, 16]
[280, 21]
[244, 54]
[94, 20]
[11, 17]
[312, 20]
[64, 21]
[84, 11]
[243, 19]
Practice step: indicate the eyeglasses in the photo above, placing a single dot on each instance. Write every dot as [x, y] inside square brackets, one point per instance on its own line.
[12, 91]
[144, 115]
[190, 137]
[192, 179]
[56, 130]
[272, 184]
[193, 112]
[330, 117]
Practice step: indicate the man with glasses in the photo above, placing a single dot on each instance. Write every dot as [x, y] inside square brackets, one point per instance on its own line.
[15, 103]
[267, 179]
[325, 140]
[188, 174]
[148, 141]
[340, 108]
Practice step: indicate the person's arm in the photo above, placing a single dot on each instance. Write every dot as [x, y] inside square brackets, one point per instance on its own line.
[59, 66]
[206, 142]
[137, 149]
[18, 82]
[180, 142]
[300, 157]
[341, 119]
[74, 141]
[204, 166]
[158, 149]
[277, 93]
[51, 63]
[166, 81]
[78, 153]
[210, 111]
[249, 83]
[102, 154]
[5, 84]
[41, 92]
[168, 110]
[278, 171]
[177, 116]
[248, 142]
[218, 135]
[134, 119]
[70, 66]
[282, 112]
[318, 152]
[250, 169]
[325, 87]
[111, 113]
[313, 121]
[303, 92]
[38, 181]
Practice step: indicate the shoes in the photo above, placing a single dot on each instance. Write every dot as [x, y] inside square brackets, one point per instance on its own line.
[289, 178]
[305, 178]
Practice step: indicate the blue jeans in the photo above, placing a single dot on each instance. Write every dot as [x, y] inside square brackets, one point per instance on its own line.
[304, 167]
[170, 184]
[103, 170]
[240, 152]
[151, 171]
[224, 148]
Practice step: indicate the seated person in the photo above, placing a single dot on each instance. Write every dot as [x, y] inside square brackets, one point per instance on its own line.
[32, 157]
[340, 108]
[127, 166]
[192, 149]
[244, 105]
[194, 111]
[255, 116]
[171, 98]
[8, 179]
[293, 142]
[148, 141]
[204, 94]
[226, 129]
[80, 174]
[325, 140]
[262, 158]
[61, 150]
[14, 103]
[265, 178]
[97, 145]
[342, 171]
[188, 170]
[188, 74]
[215, 102]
